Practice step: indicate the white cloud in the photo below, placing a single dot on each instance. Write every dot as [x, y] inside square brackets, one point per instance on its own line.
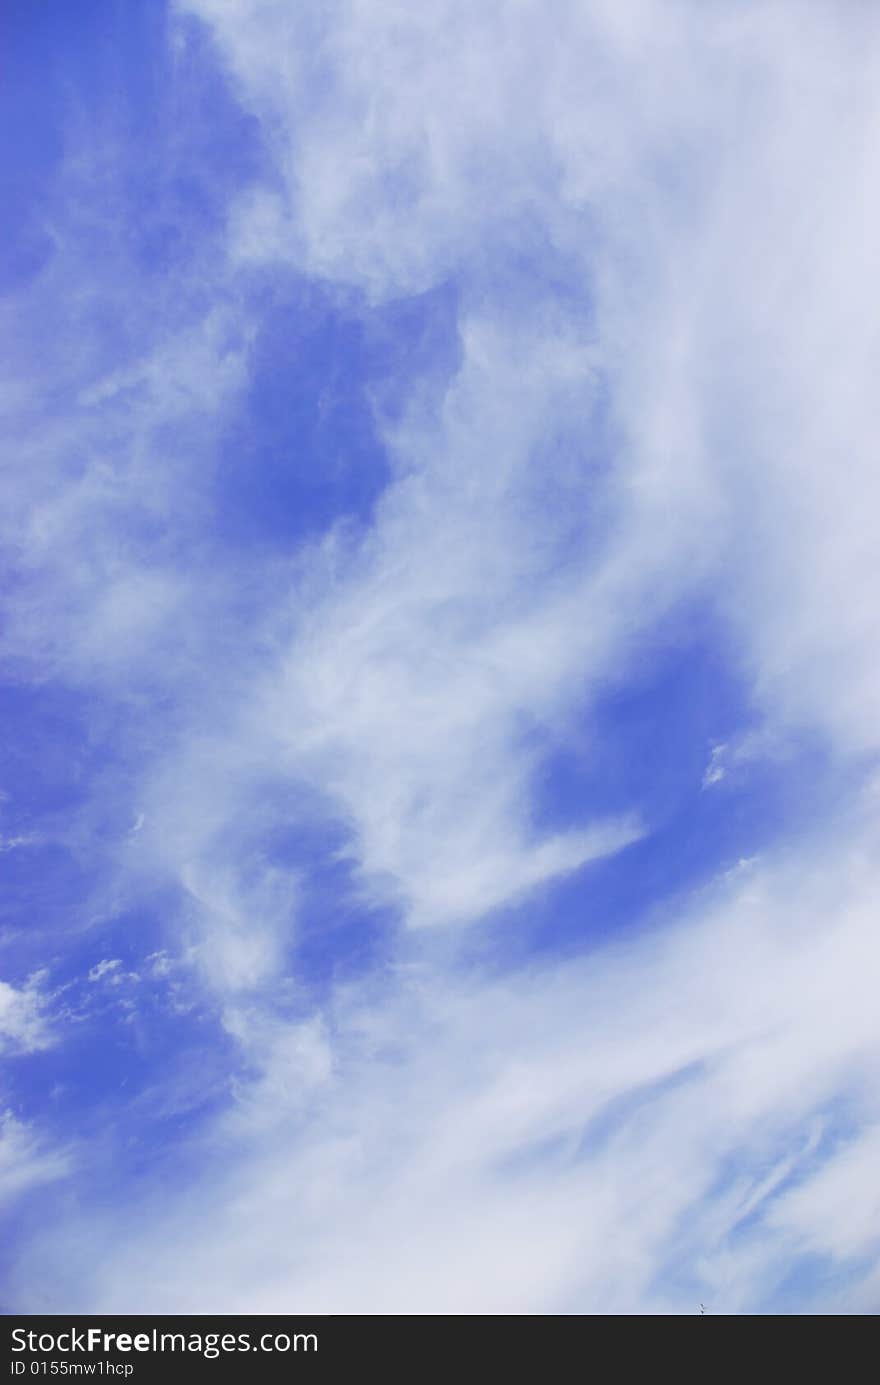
[23, 1024]
[700, 173]
[412, 684]
[25, 1161]
[837, 1210]
[241, 924]
[102, 968]
[21, 839]
[695, 172]
[657, 1123]
[715, 770]
[650, 1126]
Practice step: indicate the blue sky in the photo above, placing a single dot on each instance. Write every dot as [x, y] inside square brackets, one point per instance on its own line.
[440, 664]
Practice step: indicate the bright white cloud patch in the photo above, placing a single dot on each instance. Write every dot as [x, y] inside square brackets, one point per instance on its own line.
[23, 1025]
[24, 1162]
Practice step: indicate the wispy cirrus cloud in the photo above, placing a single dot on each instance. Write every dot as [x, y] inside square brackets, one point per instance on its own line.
[672, 1117]
[517, 360]
[23, 1025]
